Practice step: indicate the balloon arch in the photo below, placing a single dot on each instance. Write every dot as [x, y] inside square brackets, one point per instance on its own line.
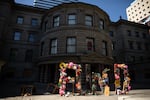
[126, 83]
[64, 79]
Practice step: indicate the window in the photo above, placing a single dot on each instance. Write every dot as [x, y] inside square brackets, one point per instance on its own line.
[144, 35]
[27, 73]
[71, 19]
[104, 48]
[132, 58]
[45, 25]
[11, 72]
[129, 32]
[34, 22]
[138, 45]
[17, 35]
[13, 54]
[115, 58]
[56, 21]
[141, 58]
[28, 55]
[101, 24]
[19, 20]
[47, 78]
[137, 34]
[53, 46]
[88, 20]
[111, 33]
[113, 45]
[71, 45]
[31, 37]
[146, 70]
[146, 46]
[130, 44]
[90, 44]
[147, 75]
[42, 49]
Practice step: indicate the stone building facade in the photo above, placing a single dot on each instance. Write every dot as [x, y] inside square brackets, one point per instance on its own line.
[131, 45]
[20, 27]
[76, 35]
[35, 41]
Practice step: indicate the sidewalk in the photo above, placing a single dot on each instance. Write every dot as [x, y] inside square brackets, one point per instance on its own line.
[58, 97]
[133, 95]
[143, 94]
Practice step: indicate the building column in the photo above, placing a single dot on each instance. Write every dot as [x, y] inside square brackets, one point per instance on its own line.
[40, 73]
[45, 73]
[57, 72]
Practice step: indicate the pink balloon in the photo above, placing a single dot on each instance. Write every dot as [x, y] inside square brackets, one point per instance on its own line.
[117, 77]
[71, 64]
[61, 92]
[125, 66]
[63, 87]
[129, 87]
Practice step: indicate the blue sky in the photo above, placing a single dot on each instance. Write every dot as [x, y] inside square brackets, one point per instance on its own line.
[114, 8]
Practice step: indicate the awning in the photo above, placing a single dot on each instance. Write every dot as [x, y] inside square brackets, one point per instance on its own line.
[84, 58]
[95, 58]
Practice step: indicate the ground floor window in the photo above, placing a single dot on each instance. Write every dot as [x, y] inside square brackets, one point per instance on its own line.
[47, 73]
